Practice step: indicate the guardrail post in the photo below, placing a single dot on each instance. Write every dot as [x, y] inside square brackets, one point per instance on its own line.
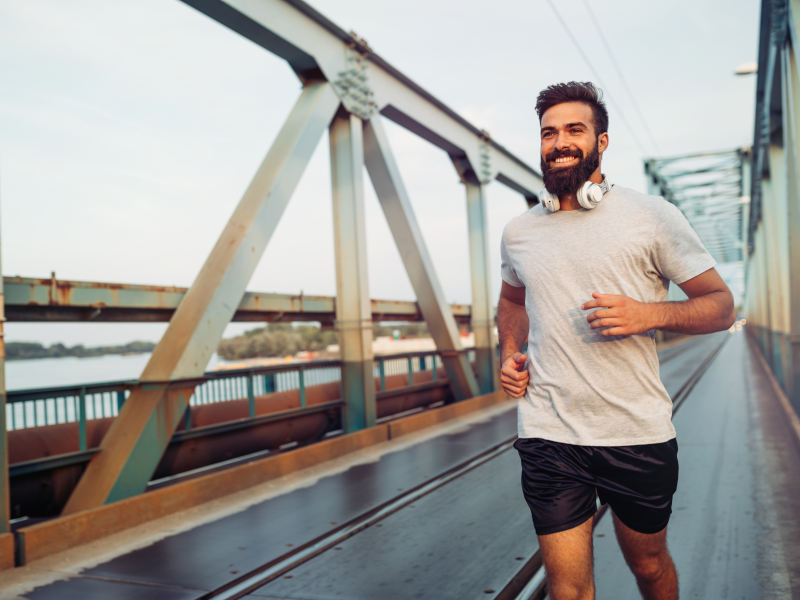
[81, 418]
[302, 379]
[410, 372]
[421, 363]
[269, 383]
[251, 397]
[353, 305]
[187, 417]
[435, 368]
[382, 372]
[120, 399]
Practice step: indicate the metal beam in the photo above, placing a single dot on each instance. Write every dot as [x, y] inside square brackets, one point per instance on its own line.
[353, 318]
[315, 47]
[482, 306]
[5, 512]
[137, 438]
[32, 300]
[403, 224]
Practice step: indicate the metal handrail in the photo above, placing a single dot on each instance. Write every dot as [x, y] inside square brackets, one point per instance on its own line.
[222, 386]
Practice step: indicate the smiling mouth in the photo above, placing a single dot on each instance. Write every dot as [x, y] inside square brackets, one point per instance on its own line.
[565, 160]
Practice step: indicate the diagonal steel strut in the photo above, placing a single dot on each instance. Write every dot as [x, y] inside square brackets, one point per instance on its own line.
[138, 436]
[394, 200]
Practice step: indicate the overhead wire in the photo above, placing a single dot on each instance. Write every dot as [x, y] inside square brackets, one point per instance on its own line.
[597, 76]
[621, 76]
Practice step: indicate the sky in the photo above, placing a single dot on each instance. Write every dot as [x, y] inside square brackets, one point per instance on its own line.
[129, 130]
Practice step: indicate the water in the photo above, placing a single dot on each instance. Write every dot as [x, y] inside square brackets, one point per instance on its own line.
[54, 372]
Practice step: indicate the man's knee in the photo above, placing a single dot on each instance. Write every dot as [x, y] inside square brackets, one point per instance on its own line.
[652, 567]
[569, 590]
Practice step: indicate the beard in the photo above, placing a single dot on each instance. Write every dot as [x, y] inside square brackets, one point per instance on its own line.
[561, 181]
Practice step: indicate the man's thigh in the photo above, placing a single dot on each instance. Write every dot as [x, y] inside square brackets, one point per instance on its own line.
[567, 557]
[640, 549]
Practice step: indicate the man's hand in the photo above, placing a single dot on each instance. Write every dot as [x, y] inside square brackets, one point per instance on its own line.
[622, 315]
[514, 375]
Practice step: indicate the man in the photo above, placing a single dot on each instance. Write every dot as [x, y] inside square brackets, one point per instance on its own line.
[587, 287]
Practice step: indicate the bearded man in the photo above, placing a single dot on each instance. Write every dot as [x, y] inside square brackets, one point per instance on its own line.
[585, 280]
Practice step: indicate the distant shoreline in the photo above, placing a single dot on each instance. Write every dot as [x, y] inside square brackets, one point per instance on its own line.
[33, 350]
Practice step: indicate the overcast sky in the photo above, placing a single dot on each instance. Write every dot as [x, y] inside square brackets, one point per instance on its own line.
[129, 130]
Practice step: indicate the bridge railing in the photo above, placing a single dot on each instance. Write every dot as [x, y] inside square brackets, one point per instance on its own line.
[64, 404]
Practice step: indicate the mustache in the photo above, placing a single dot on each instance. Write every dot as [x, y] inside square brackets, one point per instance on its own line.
[554, 154]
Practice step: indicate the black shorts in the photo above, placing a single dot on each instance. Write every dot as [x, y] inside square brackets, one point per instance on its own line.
[561, 483]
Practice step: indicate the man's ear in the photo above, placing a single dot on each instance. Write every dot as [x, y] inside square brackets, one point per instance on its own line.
[602, 142]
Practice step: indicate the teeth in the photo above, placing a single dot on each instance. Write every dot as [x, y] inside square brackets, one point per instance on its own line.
[564, 159]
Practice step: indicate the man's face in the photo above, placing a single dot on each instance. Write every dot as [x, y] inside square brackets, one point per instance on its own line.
[570, 149]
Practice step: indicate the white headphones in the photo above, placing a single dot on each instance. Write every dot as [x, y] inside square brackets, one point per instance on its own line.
[589, 195]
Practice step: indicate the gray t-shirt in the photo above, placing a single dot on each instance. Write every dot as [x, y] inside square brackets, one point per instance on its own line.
[586, 389]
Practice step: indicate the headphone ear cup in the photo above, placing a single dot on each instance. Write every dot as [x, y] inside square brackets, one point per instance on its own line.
[590, 195]
[550, 202]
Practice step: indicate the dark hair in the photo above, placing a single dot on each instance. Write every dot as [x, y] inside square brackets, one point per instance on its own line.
[575, 91]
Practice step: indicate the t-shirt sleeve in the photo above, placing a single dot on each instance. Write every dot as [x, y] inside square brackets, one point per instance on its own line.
[507, 271]
[678, 253]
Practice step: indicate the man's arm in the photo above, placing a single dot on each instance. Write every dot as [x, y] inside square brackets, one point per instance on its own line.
[512, 329]
[708, 309]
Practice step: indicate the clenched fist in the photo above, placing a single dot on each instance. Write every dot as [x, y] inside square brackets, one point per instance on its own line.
[622, 315]
[514, 375]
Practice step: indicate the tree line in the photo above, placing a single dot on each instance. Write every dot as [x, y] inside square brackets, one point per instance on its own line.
[28, 350]
[285, 339]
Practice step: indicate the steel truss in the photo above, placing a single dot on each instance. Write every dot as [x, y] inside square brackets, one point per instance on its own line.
[710, 190]
[346, 89]
[773, 228]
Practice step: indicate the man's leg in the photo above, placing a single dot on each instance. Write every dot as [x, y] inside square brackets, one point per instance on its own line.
[567, 559]
[649, 560]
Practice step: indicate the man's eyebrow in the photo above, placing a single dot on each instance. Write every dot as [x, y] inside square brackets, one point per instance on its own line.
[567, 126]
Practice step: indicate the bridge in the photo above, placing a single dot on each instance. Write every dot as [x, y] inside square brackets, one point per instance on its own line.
[392, 475]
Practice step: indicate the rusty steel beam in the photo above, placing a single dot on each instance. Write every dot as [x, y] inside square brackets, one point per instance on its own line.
[32, 299]
[138, 437]
[393, 198]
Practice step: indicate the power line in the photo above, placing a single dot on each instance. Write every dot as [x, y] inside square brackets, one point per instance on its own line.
[597, 76]
[619, 72]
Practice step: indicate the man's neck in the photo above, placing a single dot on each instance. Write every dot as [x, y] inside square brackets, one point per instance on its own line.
[570, 202]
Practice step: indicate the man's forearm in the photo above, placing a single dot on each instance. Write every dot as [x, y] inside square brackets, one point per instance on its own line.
[512, 327]
[704, 314]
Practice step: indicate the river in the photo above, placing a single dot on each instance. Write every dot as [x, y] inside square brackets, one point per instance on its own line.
[54, 372]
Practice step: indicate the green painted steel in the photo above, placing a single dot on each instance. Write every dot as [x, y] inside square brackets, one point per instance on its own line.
[81, 419]
[353, 318]
[5, 510]
[483, 324]
[251, 397]
[149, 418]
[772, 249]
[392, 195]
